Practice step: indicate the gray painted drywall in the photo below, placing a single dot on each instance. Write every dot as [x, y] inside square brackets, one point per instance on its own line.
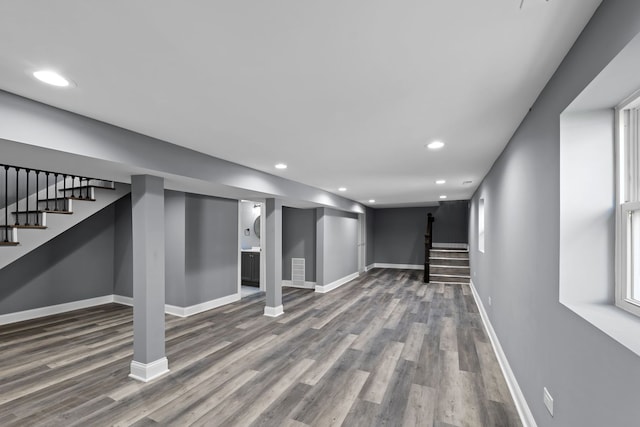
[299, 240]
[122, 249]
[76, 265]
[88, 147]
[592, 378]
[147, 226]
[273, 252]
[211, 248]
[248, 215]
[370, 237]
[399, 232]
[336, 245]
[175, 241]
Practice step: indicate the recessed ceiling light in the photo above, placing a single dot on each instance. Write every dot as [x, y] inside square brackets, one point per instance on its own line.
[371, 201]
[440, 181]
[51, 77]
[443, 197]
[435, 145]
[281, 166]
[342, 189]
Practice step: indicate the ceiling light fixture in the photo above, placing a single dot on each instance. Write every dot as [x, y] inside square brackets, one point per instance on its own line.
[51, 78]
[281, 166]
[466, 182]
[371, 201]
[440, 181]
[443, 197]
[435, 145]
[342, 189]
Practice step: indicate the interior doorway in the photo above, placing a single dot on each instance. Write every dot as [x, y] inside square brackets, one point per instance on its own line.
[251, 243]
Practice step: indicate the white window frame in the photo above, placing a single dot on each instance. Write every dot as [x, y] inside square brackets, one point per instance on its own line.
[481, 224]
[627, 202]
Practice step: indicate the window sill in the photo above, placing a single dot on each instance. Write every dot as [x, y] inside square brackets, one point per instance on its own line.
[618, 324]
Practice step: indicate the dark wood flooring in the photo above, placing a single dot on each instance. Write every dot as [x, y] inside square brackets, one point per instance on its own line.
[382, 350]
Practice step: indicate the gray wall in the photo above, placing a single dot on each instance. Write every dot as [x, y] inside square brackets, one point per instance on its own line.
[370, 219]
[122, 248]
[593, 379]
[339, 244]
[399, 232]
[75, 265]
[299, 240]
[201, 257]
[248, 215]
[175, 244]
[211, 242]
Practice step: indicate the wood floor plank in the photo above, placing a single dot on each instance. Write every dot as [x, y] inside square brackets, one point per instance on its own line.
[382, 350]
[420, 409]
[377, 385]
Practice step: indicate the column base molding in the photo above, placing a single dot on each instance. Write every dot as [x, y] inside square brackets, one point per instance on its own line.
[146, 372]
[274, 311]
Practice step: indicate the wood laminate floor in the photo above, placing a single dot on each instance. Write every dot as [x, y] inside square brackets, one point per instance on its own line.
[382, 350]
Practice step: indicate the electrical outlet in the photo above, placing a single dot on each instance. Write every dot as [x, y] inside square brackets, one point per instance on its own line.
[548, 400]
[489, 301]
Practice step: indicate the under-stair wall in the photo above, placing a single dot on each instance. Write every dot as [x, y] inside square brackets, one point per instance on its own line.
[74, 266]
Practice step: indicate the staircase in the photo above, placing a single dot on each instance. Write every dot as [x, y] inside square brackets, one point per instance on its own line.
[35, 210]
[449, 266]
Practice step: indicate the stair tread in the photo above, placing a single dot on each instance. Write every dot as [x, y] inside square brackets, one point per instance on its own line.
[104, 187]
[68, 198]
[450, 275]
[44, 211]
[38, 227]
[9, 243]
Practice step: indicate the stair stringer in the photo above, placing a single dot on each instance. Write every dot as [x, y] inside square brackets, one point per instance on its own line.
[31, 239]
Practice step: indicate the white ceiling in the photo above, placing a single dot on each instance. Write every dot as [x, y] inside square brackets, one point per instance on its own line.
[347, 93]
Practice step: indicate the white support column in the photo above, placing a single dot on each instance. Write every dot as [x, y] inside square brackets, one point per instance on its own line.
[273, 233]
[147, 205]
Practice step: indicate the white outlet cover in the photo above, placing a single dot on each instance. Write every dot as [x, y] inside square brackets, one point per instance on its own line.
[548, 400]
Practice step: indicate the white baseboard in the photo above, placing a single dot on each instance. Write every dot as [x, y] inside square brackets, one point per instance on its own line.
[463, 246]
[399, 266]
[336, 284]
[185, 311]
[199, 308]
[35, 313]
[122, 300]
[149, 371]
[307, 285]
[274, 311]
[369, 267]
[521, 404]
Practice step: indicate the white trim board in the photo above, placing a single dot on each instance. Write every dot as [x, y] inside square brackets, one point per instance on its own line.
[186, 311]
[20, 316]
[274, 311]
[369, 267]
[323, 289]
[307, 285]
[464, 246]
[521, 403]
[149, 371]
[399, 266]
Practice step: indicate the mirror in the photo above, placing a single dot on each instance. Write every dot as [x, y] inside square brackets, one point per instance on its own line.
[256, 227]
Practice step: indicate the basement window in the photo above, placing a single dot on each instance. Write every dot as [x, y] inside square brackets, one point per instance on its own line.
[628, 205]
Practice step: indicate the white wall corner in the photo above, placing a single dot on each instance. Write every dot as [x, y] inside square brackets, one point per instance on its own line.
[323, 289]
[274, 311]
[122, 300]
[516, 393]
[146, 372]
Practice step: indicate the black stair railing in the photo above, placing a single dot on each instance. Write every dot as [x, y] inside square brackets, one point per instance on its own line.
[26, 189]
[428, 243]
